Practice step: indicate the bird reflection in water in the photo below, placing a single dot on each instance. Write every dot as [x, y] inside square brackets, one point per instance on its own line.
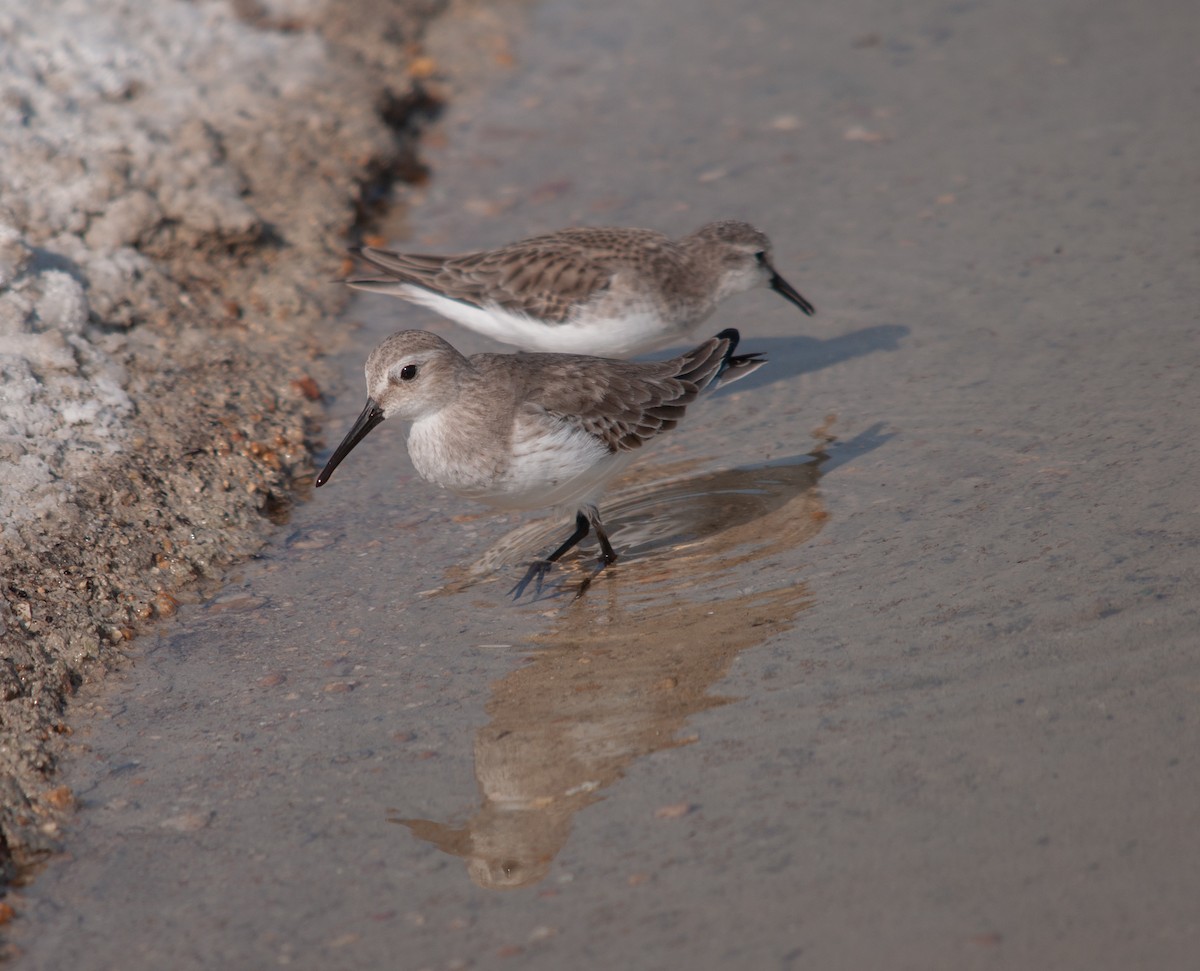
[618, 674]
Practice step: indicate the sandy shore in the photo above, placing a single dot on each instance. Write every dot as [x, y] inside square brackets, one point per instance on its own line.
[176, 188]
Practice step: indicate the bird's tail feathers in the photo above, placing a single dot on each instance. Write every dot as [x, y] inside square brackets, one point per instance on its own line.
[733, 366]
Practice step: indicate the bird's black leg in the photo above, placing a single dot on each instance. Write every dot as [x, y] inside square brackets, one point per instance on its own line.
[581, 530]
[606, 550]
[607, 555]
[539, 568]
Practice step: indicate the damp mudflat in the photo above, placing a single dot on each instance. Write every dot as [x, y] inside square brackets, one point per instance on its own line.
[899, 667]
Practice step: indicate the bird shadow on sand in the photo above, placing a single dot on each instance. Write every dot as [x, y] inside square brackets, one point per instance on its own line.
[790, 357]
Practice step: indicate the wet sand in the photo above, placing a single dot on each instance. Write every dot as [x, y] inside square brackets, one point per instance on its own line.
[901, 667]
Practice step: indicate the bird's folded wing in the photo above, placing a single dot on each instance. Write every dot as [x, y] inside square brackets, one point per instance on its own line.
[531, 278]
[625, 404]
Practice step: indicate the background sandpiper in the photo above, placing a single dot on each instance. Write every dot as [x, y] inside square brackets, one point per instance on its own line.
[608, 291]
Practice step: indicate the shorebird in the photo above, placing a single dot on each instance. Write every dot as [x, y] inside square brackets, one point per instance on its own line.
[610, 291]
[526, 431]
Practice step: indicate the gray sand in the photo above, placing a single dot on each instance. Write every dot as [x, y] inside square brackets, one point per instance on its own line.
[922, 696]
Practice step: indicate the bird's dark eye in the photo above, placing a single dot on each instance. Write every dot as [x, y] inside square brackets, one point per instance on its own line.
[408, 372]
[761, 256]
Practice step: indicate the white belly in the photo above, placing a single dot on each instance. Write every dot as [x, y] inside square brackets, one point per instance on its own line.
[547, 464]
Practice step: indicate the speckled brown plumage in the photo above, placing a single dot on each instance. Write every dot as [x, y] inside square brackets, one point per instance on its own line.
[624, 404]
[605, 290]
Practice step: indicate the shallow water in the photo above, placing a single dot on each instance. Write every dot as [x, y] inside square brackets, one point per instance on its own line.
[899, 666]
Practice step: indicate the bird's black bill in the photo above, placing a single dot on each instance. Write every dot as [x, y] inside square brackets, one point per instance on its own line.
[371, 416]
[789, 292]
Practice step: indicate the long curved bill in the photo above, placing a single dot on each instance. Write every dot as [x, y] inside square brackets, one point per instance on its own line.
[789, 292]
[371, 416]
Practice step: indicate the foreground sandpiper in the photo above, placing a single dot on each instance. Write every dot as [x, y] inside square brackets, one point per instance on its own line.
[524, 431]
[608, 291]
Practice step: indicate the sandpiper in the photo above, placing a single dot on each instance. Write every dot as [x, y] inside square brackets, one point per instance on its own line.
[610, 291]
[525, 431]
